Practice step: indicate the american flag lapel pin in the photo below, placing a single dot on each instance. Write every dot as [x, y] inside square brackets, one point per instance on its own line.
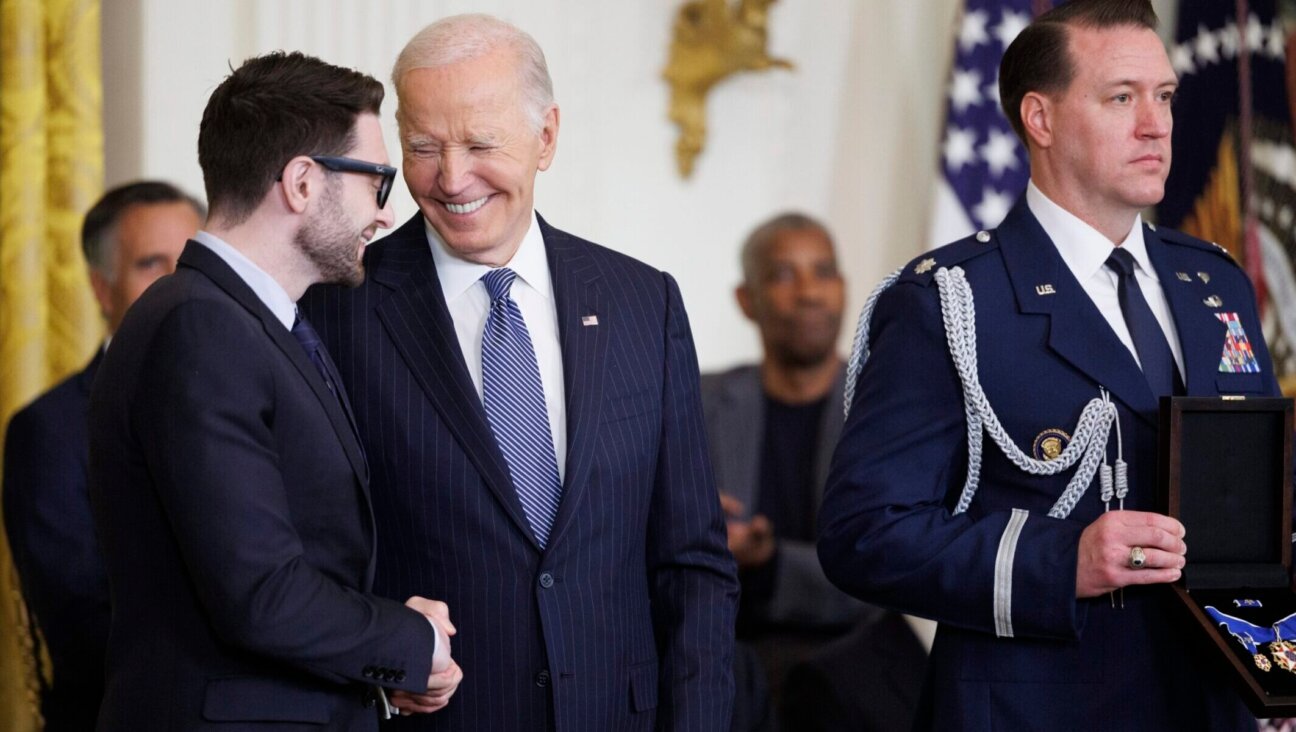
[589, 320]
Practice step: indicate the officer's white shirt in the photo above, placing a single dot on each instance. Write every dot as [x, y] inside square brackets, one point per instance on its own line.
[1086, 251]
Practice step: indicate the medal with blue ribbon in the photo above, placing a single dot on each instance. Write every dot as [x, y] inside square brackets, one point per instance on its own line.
[1284, 650]
[1251, 636]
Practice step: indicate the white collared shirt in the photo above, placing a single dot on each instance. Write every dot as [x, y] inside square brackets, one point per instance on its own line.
[1085, 252]
[267, 289]
[469, 304]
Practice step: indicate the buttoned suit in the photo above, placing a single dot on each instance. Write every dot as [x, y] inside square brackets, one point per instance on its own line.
[51, 535]
[231, 498]
[1015, 648]
[624, 619]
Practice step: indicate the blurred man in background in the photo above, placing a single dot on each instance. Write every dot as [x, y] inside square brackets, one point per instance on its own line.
[772, 427]
[131, 237]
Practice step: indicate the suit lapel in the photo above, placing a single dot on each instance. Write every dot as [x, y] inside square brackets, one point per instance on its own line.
[1078, 333]
[578, 294]
[1200, 332]
[201, 258]
[419, 324]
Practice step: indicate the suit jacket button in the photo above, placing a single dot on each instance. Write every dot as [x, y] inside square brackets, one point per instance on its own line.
[542, 678]
[400, 676]
[546, 580]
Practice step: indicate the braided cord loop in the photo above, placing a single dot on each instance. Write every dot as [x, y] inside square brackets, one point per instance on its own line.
[1088, 446]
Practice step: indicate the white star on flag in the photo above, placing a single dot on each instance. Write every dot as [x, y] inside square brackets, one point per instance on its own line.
[1011, 25]
[973, 31]
[959, 148]
[966, 90]
[1207, 47]
[1181, 58]
[1000, 153]
[994, 205]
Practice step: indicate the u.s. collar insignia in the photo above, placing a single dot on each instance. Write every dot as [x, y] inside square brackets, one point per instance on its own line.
[1050, 443]
[924, 266]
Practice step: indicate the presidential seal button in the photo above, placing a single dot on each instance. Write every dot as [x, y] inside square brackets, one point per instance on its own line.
[983, 236]
[1213, 301]
[924, 266]
[1050, 443]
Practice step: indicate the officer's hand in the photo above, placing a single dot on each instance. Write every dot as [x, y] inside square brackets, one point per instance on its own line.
[1103, 561]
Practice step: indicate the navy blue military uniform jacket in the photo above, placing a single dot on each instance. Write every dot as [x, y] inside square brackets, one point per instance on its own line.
[1039, 658]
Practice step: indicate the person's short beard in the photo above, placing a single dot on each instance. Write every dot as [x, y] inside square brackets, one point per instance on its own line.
[329, 242]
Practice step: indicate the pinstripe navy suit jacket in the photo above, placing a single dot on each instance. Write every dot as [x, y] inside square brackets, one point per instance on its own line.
[624, 621]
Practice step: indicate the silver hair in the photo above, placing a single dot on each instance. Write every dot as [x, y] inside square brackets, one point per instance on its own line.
[465, 37]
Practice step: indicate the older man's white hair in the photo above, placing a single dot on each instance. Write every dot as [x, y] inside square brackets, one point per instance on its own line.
[465, 37]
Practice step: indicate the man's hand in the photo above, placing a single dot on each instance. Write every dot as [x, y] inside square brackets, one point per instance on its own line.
[750, 541]
[446, 674]
[1102, 564]
[438, 613]
[441, 686]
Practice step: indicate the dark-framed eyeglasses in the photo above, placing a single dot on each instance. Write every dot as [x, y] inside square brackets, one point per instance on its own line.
[351, 165]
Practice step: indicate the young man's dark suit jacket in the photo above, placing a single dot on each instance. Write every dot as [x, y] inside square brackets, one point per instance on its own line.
[52, 537]
[625, 620]
[231, 500]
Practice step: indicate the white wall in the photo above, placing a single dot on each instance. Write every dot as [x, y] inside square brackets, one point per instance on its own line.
[851, 135]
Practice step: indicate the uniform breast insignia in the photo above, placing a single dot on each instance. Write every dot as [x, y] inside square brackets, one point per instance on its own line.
[1237, 358]
[1050, 443]
[924, 266]
[1045, 290]
[1204, 277]
[1213, 301]
[1183, 276]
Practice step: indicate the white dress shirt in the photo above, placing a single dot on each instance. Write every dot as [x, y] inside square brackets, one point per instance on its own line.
[267, 288]
[469, 304]
[1085, 252]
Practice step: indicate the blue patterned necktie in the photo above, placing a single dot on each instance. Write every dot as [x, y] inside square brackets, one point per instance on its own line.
[1149, 340]
[515, 405]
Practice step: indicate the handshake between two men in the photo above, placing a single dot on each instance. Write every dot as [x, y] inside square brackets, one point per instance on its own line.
[445, 675]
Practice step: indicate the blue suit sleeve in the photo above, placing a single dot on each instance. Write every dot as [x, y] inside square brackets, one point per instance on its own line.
[692, 576]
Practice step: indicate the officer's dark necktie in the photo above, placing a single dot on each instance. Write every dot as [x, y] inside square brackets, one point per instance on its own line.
[515, 405]
[1149, 340]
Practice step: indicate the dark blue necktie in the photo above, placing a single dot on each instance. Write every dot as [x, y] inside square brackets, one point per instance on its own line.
[311, 344]
[1149, 340]
[314, 348]
[515, 405]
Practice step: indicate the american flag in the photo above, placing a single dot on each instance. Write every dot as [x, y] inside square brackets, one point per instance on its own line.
[983, 165]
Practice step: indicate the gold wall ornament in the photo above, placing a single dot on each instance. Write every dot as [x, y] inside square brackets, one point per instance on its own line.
[712, 40]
